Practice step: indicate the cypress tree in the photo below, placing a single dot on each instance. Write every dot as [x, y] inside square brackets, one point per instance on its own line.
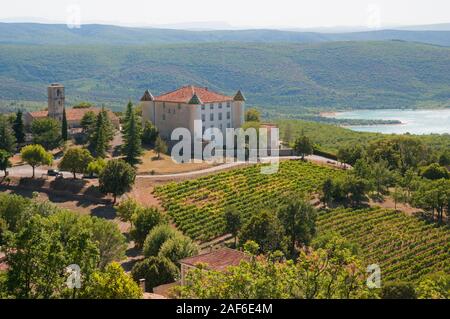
[7, 138]
[99, 141]
[18, 127]
[64, 126]
[132, 148]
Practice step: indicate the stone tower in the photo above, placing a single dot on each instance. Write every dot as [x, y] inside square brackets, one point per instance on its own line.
[56, 100]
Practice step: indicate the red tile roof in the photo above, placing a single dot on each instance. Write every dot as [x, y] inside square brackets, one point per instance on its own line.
[218, 259]
[184, 95]
[72, 114]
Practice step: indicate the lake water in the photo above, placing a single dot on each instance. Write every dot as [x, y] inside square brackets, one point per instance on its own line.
[414, 121]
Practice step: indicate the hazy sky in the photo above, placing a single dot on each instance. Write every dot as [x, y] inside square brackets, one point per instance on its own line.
[256, 13]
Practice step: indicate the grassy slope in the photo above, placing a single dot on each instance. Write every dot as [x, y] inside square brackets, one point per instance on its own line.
[326, 75]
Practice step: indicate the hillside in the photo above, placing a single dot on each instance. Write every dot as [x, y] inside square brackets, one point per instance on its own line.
[56, 34]
[326, 75]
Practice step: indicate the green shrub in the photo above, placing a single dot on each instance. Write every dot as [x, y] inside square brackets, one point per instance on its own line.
[398, 290]
[156, 271]
[156, 238]
[144, 221]
[177, 248]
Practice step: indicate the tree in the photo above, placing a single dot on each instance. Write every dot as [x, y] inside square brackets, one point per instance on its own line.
[132, 147]
[126, 120]
[46, 132]
[157, 237]
[160, 146]
[7, 138]
[102, 135]
[433, 196]
[265, 229]
[287, 136]
[38, 254]
[232, 221]
[434, 171]
[64, 127]
[110, 241]
[144, 220]
[88, 123]
[36, 155]
[76, 160]
[349, 154]
[252, 115]
[5, 163]
[316, 274]
[398, 290]
[111, 283]
[434, 286]
[381, 176]
[149, 133]
[117, 178]
[18, 127]
[83, 105]
[444, 158]
[96, 167]
[303, 146]
[327, 192]
[178, 248]
[156, 271]
[299, 221]
[127, 209]
[14, 210]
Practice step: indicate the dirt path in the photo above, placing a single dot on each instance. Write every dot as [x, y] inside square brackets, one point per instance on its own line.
[389, 203]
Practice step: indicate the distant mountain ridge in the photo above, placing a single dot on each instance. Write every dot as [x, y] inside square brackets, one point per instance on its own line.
[59, 34]
[282, 77]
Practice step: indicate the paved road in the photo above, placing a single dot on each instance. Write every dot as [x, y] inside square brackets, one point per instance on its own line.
[314, 158]
[26, 171]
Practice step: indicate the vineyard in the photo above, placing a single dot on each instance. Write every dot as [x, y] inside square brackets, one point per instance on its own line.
[405, 247]
[197, 206]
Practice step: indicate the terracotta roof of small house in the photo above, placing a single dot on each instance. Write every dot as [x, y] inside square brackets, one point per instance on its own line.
[218, 259]
[72, 114]
[185, 94]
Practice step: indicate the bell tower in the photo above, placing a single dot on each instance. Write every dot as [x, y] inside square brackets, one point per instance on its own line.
[56, 99]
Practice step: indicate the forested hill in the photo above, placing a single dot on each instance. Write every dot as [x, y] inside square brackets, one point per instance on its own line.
[388, 74]
[48, 34]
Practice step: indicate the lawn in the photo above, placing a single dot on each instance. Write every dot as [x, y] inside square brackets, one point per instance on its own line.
[165, 165]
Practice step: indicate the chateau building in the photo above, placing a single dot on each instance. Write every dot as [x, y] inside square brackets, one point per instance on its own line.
[180, 108]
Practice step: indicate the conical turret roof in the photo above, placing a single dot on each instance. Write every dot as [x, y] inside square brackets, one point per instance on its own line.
[239, 96]
[195, 99]
[147, 96]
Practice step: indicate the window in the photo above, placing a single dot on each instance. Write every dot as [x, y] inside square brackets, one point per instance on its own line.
[228, 104]
[203, 117]
[211, 106]
[203, 129]
[164, 105]
[220, 105]
[203, 106]
[164, 117]
[228, 115]
[228, 125]
[211, 117]
[179, 106]
[220, 116]
[221, 126]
